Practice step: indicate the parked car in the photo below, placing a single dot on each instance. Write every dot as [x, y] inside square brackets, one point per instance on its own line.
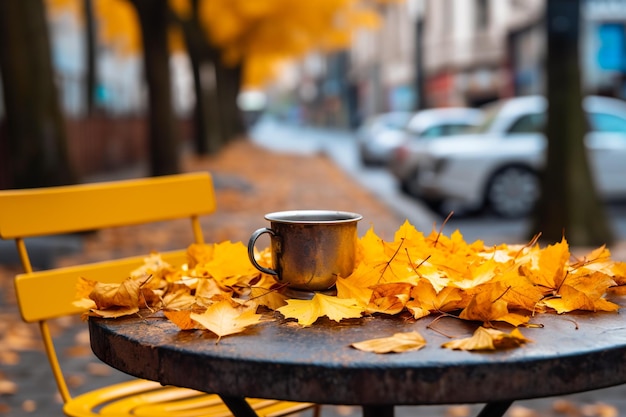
[498, 167]
[378, 138]
[375, 137]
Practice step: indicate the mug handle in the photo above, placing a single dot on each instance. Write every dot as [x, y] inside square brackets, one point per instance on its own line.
[251, 243]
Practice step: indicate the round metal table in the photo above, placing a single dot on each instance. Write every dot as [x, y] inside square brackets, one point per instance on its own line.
[280, 360]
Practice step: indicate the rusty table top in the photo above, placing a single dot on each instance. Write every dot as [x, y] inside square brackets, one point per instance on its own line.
[571, 353]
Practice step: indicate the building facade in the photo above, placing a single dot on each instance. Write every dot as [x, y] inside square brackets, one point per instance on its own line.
[440, 53]
[471, 52]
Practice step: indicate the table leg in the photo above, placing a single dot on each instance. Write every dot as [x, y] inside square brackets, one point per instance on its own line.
[378, 411]
[495, 409]
[238, 406]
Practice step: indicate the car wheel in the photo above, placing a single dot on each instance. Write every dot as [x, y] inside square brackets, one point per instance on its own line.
[435, 205]
[512, 192]
[410, 186]
[365, 161]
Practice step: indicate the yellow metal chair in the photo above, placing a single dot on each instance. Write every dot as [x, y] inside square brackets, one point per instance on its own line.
[44, 295]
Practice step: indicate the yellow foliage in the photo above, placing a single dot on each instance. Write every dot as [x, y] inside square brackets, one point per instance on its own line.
[223, 318]
[181, 7]
[261, 34]
[59, 6]
[308, 311]
[118, 25]
[414, 274]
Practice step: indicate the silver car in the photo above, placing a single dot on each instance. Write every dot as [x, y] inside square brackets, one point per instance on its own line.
[498, 167]
[380, 135]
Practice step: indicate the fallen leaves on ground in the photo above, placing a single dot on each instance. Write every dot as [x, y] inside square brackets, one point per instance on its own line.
[218, 288]
[15, 336]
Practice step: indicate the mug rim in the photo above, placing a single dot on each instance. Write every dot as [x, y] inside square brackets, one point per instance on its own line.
[294, 216]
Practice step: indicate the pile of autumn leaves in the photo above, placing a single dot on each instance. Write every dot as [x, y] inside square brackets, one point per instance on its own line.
[421, 275]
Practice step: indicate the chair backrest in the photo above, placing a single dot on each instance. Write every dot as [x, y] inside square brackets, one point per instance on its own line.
[47, 294]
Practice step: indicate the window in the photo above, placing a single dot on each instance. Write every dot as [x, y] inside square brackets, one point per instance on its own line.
[482, 15]
[603, 122]
[433, 132]
[529, 123]
[454, 129]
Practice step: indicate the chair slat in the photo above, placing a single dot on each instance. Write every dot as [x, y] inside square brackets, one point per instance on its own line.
[43, 295]
[26, 213]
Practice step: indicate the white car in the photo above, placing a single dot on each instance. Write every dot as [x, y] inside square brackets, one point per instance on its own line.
[498, 167]
[381, 134]
[375, 137]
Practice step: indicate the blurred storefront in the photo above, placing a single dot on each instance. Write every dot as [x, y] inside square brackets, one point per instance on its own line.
[603, 51]
[438, 53]
[604, 46]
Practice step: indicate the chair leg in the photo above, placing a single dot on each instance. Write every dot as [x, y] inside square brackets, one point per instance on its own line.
[495, 409]
[378, 411]
[238, 406]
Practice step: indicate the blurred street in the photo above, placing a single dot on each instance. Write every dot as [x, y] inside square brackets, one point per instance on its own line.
[341, 147]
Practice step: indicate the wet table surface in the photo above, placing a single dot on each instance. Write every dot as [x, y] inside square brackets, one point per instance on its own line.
[280, 360]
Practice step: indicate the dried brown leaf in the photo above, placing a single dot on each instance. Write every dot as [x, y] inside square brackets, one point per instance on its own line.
[399, 342]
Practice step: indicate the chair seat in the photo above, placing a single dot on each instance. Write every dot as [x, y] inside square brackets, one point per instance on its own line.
[151, 399]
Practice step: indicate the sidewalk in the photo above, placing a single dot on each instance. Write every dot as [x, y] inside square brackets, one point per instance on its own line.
[250, 181]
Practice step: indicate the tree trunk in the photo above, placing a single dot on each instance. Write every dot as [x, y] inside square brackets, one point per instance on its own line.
[228, 88]
[206, 116]
[164, 146]
[90, 53]
[569, 205]
[36, 132]
[419, 85]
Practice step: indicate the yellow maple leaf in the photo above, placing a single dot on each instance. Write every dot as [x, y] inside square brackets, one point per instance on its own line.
[434, 275]
[153, 270]
[520, 293]
[199, 253]
[571, 299]
[182, 319]
[389, 261]
[230, 263]
[208, 290]
[358, 285]
[265, 292]
[114, 312]
[84, 287]
[548, 268]
[594, 284]
[399, 342]
[425, 300]
[224, 319]
[178, 300]
[476, 273]
[486, 305]
[410, 234]
[488, 339]
[371, 248]
[125, 294]
[306, 312]
[389, 298]
[84, 303]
